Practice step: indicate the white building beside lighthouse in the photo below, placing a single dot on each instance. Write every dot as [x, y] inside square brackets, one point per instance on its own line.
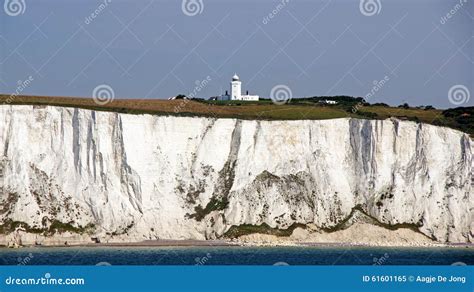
[236, 92]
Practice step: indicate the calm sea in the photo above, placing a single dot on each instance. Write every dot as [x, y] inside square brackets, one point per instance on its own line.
[236, 256]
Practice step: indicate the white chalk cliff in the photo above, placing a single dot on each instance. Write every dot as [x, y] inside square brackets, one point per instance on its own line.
[138, 177]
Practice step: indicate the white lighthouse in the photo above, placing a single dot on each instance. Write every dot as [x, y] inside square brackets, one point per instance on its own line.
[236, 92]
[235, 88]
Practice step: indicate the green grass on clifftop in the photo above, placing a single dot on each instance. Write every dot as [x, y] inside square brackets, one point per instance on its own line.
[297, 109]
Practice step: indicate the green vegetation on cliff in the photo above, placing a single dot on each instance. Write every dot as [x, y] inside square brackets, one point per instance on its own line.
[461, 118]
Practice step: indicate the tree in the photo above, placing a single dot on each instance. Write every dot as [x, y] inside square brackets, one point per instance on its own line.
[405, 106]
[381, 104]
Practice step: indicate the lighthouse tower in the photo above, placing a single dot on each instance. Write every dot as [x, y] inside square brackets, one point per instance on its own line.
[235, 88]
[236, 92]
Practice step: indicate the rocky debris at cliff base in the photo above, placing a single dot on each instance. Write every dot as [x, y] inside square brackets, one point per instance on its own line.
[357, 234]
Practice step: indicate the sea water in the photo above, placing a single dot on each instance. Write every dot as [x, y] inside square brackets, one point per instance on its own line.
[236, 256]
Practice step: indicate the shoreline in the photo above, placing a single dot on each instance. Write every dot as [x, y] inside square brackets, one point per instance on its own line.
[356, 235]
[228, 243]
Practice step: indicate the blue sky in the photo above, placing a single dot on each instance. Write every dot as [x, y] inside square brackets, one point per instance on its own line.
[153, 49]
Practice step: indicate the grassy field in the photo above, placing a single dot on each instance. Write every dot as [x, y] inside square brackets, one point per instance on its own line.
[307, 109]
[251, 110]
[425, 116]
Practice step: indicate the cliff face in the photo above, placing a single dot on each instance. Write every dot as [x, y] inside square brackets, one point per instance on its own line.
[140, 177]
